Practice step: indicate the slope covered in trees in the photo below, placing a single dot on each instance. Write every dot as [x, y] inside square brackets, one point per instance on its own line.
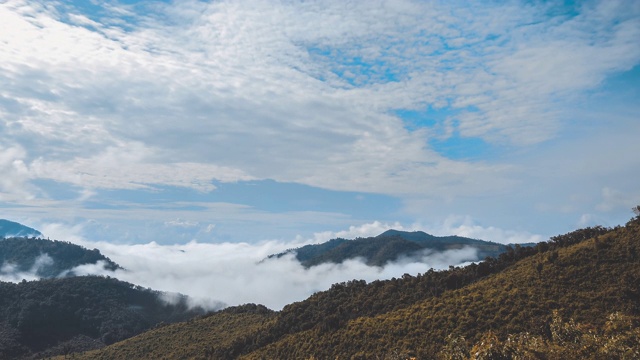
[56, 316]
[514, 302]
[46, 258]
[389, 246]
[213, 336]
[585, 275]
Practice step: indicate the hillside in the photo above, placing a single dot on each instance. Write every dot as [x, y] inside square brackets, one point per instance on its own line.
[14, 229]
[55, 316]
[589, 275]
[389, 246]
[45, 258]
[586, 281]
[212, 336]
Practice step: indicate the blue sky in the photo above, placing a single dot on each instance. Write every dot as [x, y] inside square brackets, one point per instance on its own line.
[246, 121]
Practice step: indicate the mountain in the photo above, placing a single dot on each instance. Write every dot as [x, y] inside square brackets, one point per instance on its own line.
[452, 242]
[14, 229]
[45, 258]
[58, 316]
[389, 246]
[227, 329]
[575, 296]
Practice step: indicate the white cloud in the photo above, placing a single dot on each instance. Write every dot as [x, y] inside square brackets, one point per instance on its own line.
[127, 167]
[234, 91]
[181, 223]
[365, 230]
[61, 231]
[235, 273]
[9, 271]
[15, 174]
[467, 227]
[615, 199]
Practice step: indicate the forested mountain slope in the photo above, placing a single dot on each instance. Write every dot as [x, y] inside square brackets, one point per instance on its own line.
[214, 336]
[56, 316]
[390, 246]
[47, 258]
[586, 275]
[586, 281]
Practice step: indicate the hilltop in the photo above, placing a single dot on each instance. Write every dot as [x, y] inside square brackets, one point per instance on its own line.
[23, 253]
[43, 258]
[391, 246]
[575, 296]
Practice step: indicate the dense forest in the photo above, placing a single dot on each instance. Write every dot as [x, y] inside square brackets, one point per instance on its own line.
[48, 258]
[57, 316]
[574, 296]
[389, 246]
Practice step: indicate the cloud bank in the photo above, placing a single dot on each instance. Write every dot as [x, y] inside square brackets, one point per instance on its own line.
[233, 273]
[213, 274]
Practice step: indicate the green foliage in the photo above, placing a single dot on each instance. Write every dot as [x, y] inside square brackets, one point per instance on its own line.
[23, 252]
[213, 336]
[388, 246]
[39, 315]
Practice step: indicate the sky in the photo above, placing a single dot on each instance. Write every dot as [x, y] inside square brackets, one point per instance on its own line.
[260, 122]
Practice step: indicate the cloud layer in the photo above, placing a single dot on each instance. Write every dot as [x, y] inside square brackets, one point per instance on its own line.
[237, 273]
[217, 274]
[193, 91]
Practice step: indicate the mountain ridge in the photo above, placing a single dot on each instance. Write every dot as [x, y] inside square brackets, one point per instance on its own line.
[44, 258]
[389, 246]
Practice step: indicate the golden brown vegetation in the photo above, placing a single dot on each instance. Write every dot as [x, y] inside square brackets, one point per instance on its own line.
[208, 337]
[618, 339]
[586, 281]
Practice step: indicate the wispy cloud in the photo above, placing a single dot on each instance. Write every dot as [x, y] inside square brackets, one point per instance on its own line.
[10, 272]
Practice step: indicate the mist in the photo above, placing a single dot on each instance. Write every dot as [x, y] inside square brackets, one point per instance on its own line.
[9, 271]
[217, 274]
[238, 273]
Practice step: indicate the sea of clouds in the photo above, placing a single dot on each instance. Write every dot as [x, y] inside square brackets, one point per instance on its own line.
[219, 274]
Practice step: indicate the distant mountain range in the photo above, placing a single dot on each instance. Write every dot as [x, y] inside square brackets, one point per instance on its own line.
[14, 229]
[391, 245]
